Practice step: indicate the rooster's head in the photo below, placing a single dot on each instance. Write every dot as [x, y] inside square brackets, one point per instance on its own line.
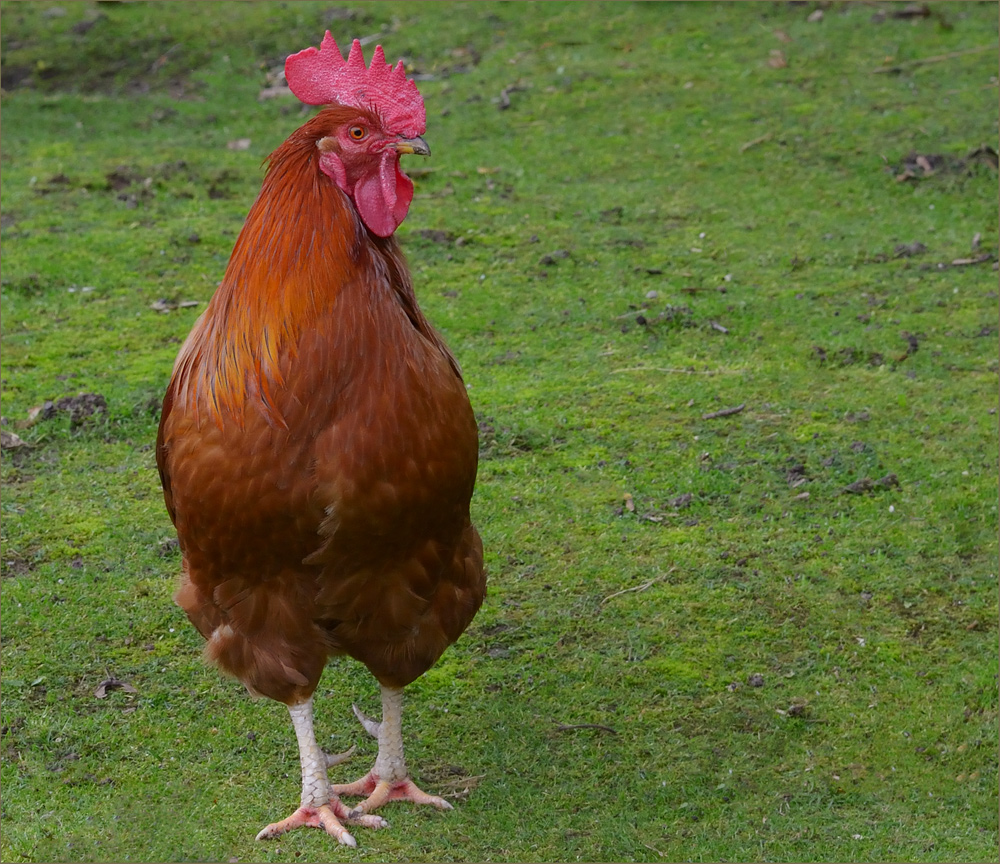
[384, 120]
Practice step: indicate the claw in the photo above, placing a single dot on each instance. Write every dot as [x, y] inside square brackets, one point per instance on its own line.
[336, 758]
[371, 726]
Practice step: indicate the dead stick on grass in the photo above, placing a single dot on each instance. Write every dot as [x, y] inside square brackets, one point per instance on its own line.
[676, 371]
[642, 587]
[725, 412]
[461, 781]
[567, 727]
[979, 259]
[755, 142]
[910, 64]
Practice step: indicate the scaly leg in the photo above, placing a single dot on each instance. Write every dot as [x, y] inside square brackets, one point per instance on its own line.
[318, 808]
[389, 779]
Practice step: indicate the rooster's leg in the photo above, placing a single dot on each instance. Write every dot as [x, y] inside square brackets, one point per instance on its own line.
[318, 808]
[389, 779]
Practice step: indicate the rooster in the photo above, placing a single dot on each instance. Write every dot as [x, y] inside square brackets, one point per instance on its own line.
[317, 448]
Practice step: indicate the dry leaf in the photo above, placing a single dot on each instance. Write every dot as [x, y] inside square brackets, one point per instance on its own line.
[239, 144]
[40, 412]
[782, 36]
[629, 503]
[777, 59]
[109, 684]
[815, 16]
[10, 441]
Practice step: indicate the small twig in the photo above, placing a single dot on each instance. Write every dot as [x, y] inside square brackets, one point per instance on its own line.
[564, 727]
[676, 371]
[724, 412]
[979, 259]
[754, 143]
[159, 61]
[910, 64]
[715, 325]
[642, 587]
[504, 101]
[654, 849]
[456, 782]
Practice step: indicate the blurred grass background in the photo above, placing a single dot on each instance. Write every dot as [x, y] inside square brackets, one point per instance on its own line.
[765, 635]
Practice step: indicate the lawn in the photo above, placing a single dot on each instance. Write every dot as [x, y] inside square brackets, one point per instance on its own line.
[722, 279]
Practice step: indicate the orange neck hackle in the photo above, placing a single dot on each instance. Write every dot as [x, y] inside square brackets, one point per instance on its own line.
[301, 242]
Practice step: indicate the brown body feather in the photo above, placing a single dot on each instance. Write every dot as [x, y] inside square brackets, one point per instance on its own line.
[318, 450]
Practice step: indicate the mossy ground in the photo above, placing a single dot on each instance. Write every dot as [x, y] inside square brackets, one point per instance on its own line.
[685, 208]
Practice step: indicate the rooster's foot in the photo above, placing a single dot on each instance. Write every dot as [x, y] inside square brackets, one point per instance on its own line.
[327, 817]
[381, 792]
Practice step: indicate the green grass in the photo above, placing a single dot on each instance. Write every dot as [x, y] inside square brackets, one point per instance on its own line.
[647, 148]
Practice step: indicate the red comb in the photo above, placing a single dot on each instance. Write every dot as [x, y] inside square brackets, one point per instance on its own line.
[318, 76]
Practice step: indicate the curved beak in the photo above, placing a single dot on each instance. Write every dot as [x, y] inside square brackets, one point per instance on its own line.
[412, 145]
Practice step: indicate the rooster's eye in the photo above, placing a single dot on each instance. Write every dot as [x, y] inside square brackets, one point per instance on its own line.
[357, 132]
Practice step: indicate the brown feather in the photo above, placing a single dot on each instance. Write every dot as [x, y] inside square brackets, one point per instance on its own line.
[318, 450]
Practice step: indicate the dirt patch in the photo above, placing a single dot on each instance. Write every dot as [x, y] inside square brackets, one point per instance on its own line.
[920, 166]
[88, 62]
[14, 566]
[866, 484]
[848, 357]
[29, 286]
[79, 408]
[496, 441]
[436, 236]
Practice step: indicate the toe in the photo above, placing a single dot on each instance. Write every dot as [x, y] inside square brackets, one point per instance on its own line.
[381, 792]
[311, 817]
[333, 827]
[366, 820]
[380, 795]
